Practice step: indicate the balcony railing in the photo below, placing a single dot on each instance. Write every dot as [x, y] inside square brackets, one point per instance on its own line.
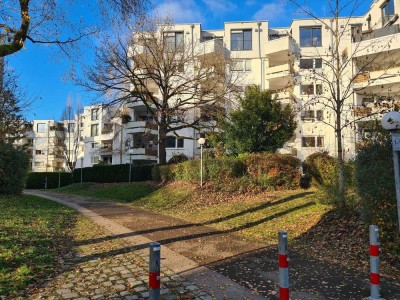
[361, 77]
[362, 111]
[211, 46]
[374, 34]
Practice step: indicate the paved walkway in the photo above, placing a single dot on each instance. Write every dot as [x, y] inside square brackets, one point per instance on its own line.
[236, 269]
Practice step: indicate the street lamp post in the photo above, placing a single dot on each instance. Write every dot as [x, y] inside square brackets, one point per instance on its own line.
[130, 152]
[81, 169]
[391, 122]
[201, 142]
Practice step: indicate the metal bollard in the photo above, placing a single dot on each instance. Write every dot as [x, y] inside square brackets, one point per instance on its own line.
[45, 183]
[283, 265]
[154, 271]
[374, 262]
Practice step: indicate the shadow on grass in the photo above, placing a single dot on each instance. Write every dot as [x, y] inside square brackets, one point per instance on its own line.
[218, 220]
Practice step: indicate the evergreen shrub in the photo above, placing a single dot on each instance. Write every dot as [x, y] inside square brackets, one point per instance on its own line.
[13, 169]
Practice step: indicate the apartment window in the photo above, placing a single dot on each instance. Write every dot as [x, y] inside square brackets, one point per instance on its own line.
[39, 163]
[71, 127]
[94, 130]
[320, 115]
[318, 63]
[307, 89]
[312, 141]
[173, 40]
[94, 160]
[241, 65]
[41, 127]
[241, 40]
[95, 145]
[39, 152]
[170, 142]
[308, 115]
[387, 11]
[30, 142]
[94, 114]
[179, 143]
[310, 37]
[306, 63]
[318, 89]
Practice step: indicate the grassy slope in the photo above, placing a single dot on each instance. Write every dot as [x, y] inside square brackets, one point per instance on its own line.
[32, 234]
[257, 217]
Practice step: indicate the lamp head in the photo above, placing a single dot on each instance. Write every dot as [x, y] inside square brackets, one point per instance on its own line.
[201, 141]
[391, 120]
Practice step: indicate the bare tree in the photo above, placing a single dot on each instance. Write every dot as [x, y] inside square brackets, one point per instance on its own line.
[172, 77]
[70, 135]
[53, 22]
[345, 65]
[13, 104]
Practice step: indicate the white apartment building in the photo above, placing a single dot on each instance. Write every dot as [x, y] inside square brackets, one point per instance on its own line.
[283, 60]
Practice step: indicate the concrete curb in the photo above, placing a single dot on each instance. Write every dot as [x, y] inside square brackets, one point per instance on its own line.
[208, 280]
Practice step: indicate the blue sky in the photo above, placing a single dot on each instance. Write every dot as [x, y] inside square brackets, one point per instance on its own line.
[43, 73]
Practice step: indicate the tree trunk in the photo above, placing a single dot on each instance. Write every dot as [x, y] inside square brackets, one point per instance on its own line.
[162, 137]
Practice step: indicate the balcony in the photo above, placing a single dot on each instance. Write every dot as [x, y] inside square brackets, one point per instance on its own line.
[362, 111]
[285, 97]
[280, 77]
[280, 47]
[106, 149]
[209, 47]
[141, 127]
[143, 154]
[376, 41]
[137, 102]
[377, 81]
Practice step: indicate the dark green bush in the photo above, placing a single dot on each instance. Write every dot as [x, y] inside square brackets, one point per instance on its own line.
[162, 173]
[36, 180]
[113, 173]
[13, 169]
[324, 171]
[178, 158]
[375, 184]
[273, 170]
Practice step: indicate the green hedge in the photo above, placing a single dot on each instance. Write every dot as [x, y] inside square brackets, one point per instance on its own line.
[113, 173]
[13, 169]
[36, 180]
[376, 186]
[266, 170]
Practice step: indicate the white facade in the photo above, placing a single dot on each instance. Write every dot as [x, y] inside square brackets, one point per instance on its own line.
[283, 60]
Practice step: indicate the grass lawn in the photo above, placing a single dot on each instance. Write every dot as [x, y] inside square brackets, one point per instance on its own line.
[33, 232]
[258, 216]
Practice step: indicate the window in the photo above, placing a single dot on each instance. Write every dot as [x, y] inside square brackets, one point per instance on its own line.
[39, 163]
[94, 160]
[241, 65]
[307, 89]
[94, 130]
[312, 141]
[318, 89]
[71, 127]
[306, 63]
[39, 152]
[170, 142]
[241, 40]
[41, 127]
[310, 37]
[318, 63]
[320, 115]
[94, 114]
[387, 11]
[179, 143]
[173, 40]
[95, 145]
[308, 115]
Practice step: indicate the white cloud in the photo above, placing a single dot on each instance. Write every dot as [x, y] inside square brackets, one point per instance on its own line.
[180, 11]
[220, 6]
[271, 12]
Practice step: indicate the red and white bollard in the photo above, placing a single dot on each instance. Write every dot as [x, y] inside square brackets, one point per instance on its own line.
[154, 271]
[283, 265]
[374, 262]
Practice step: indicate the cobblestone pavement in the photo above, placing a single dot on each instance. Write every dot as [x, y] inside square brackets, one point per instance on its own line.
[89, 273]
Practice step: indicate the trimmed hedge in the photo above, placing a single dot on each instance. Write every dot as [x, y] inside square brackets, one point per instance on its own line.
[113, 173]
[36, 180]
[266, 170]
[13, 169]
